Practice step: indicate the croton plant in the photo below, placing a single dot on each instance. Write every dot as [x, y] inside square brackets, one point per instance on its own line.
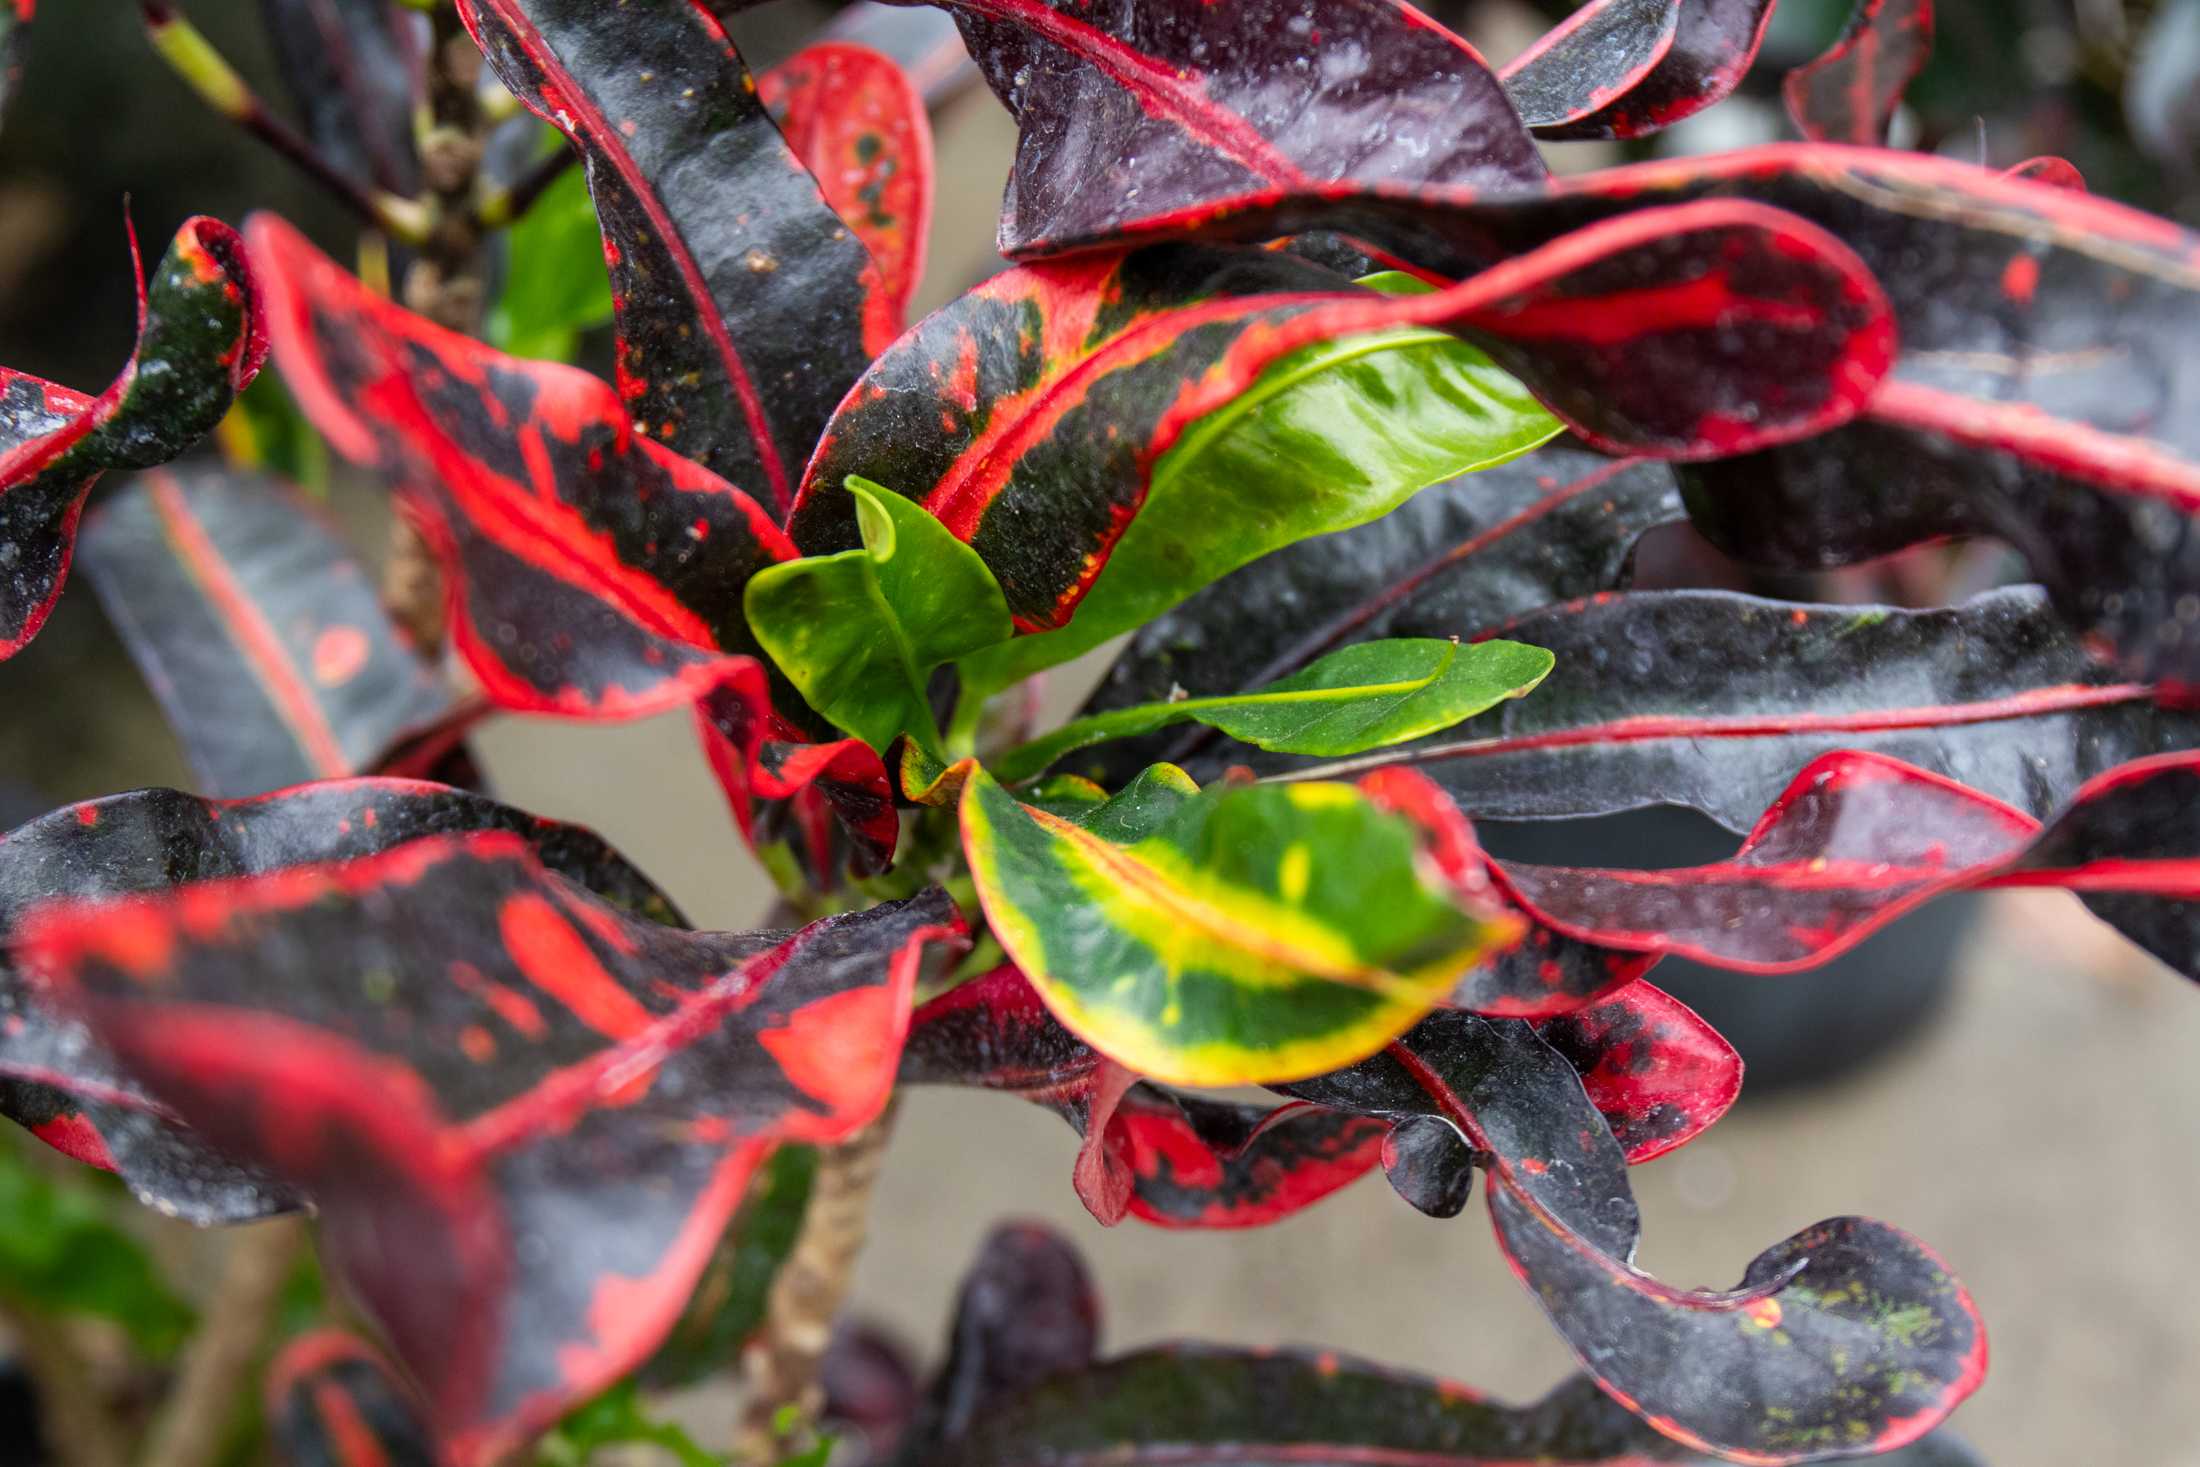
[1310, 378]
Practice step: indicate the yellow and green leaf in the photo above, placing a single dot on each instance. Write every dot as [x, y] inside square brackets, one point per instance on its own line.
[1240, 934]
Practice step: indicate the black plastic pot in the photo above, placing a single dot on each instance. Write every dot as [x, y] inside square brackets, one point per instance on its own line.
[1792, 1030]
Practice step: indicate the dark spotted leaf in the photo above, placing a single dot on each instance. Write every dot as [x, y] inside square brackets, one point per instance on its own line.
[1131, 107]
[1850, 1336]
[1196, 937]
[1858, 839]
[1175, 1161]
[1457, 560]
[592, 572]
[739, 292]
[1714, 700]
[1064, 406]
[2039, 395]
[200, 341]
[1206, 1406]
[1625, 68]
[860, 632]
[557, 1105]
[258, 631]
[1849, 94]
[353, 69]
[331, 1402]
[1365, 696]
[831, 802]
[70, 1090]
[1658, 1073]
[858, 123]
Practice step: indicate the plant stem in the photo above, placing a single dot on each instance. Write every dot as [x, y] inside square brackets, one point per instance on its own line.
[195, 1419]
[76, 1424]
[207, 72]
[781, 1363]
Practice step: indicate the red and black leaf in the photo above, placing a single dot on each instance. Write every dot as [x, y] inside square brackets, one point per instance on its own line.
[200, 342]
[592, 572]
[1858, 839]
[1208, 1406]
[1133, 107]
[739, 292]
[2040, 394]
[1850, 1336]
[258, 631]
[353, 68]
[69, 1089]
[831, 803]
[331, 1402]
[1657, 1072]
[1849, 94]
[858, 123]
[1458, 559]
[556, 1105]
[1626, 68]
[1714, 700]
[1028, 416]
[1175, 1161]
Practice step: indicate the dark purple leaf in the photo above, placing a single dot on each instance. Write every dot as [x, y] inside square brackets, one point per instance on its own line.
[353, 69]
[1175, 1161]
[200, 342]
[331, 1402]
[70, 1090]
[555, 1105]
[592, 572]
[1849, 94]
[1714, 700]
[258, 630]
[1028, 416]
[739, 293]
[1128, 108]
[1625, 68]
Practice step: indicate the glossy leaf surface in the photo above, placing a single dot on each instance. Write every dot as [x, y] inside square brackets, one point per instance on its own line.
[1714, 700]
[861, 631]
[858, 123]
[739, 291]
[1241, 934]
[353, 69]
[1626, 68]
[1054, 435]
[1859, 839]
[831, 802]
[1361, 697]
[71, 1091]
[200, 342]
[591, 572]
[1173, 1160]
[1849, 94]
[331, 1402]
[1128, 106]
[496, 1065]
[1207, 1405]
[259, 632]
[1460, 559]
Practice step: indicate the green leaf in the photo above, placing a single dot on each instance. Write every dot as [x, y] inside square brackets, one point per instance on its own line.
[1357, 698]
[555, 283]
[1241, 934]
[860, 632]
[265, 430]
[1329, 437]
[728, 1303]
[617, 1419]
[60, 1255]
